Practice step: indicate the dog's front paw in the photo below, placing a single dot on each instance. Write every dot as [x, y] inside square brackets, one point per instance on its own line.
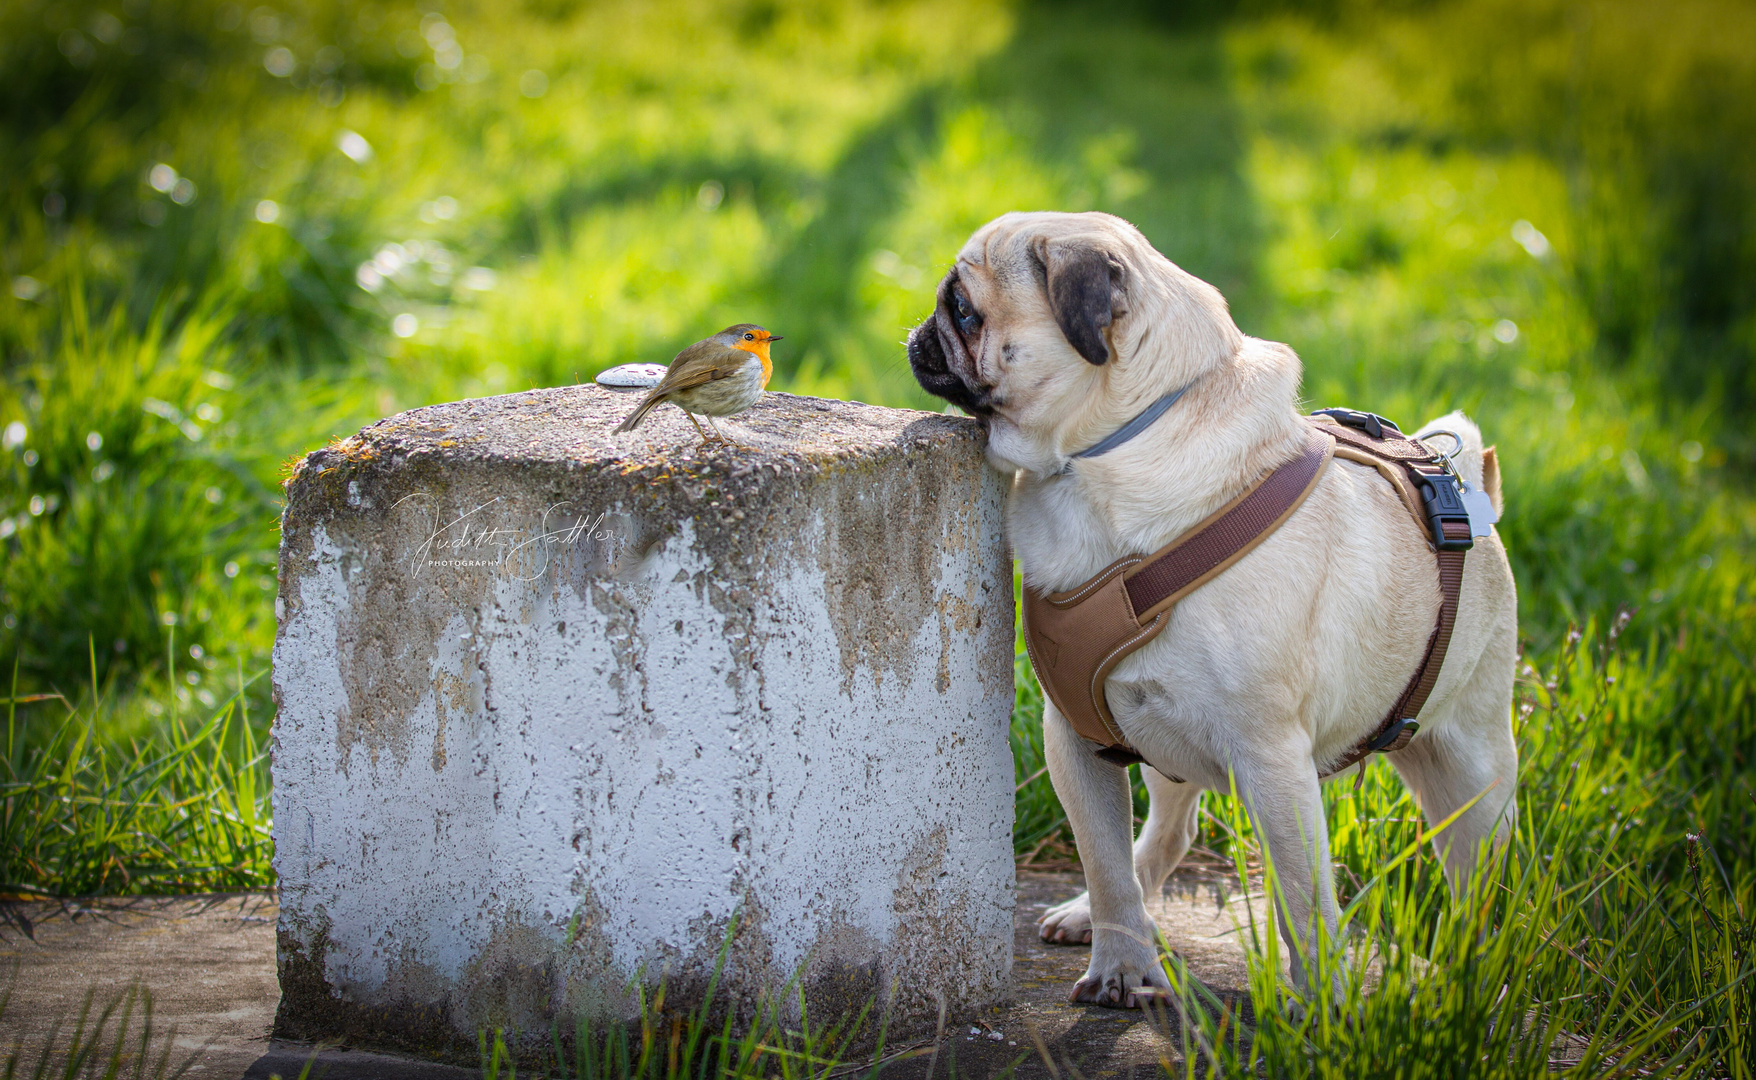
[1121, 986]
[1069, 923]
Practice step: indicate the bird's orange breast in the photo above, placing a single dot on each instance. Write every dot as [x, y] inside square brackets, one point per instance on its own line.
[758, 349]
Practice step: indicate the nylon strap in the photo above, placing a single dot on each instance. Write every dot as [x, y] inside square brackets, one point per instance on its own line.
[1416, 460]
[1127, 431]
[1212, 546]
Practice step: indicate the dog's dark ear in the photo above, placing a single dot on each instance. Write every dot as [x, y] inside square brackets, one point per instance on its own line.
[1083, 283]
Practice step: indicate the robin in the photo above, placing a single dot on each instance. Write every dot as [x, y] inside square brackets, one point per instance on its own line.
[717, 376]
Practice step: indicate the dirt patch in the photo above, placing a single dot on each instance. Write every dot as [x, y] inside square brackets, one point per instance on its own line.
[209, 963]
[1085, 1040]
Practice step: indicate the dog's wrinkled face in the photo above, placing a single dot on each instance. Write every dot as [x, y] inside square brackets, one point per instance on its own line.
[1023, 329]
[939, 350]
[1055, 329]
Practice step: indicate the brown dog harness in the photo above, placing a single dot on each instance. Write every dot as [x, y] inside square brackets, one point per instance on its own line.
[1076, 638]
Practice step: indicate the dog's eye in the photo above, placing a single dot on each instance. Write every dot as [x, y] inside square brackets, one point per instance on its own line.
[967, 319]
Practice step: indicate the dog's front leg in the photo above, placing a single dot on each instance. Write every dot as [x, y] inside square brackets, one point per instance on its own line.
[1285, 802]
[1163, 841]
[1124, 951]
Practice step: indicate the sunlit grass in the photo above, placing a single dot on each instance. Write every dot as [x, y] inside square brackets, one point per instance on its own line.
[180, 807]
[635, 203]
[1578, 950]
[138, 502]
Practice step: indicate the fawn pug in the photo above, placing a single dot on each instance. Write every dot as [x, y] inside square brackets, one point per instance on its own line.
[1056, 330]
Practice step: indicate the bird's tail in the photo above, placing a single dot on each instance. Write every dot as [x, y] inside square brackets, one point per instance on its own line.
[639, 414]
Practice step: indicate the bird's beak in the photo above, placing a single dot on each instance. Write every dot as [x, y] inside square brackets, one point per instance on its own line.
[774, 337]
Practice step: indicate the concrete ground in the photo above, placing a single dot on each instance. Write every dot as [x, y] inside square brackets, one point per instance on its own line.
[1200, 916]
[209, 965]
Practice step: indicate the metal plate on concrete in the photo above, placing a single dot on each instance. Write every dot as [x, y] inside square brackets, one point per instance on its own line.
[632, 376]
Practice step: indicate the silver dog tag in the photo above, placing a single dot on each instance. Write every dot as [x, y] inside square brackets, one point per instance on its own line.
[1480, 508]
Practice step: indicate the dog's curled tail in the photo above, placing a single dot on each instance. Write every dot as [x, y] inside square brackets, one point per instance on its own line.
[1491, 478]
[1475, 463]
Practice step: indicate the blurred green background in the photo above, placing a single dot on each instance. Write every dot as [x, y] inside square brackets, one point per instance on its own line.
[230, 233]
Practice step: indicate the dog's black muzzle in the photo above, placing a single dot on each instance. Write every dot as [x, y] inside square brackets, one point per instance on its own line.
[941, 361]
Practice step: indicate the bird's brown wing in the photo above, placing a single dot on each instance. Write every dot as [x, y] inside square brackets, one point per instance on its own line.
[702, 362]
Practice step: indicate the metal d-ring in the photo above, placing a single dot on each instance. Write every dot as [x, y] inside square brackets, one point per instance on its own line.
[1445, 458]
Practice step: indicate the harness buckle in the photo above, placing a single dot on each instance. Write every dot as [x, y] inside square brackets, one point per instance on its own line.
[1370, 423]
[1391, 733]
[1122, 756]
[1443, 501]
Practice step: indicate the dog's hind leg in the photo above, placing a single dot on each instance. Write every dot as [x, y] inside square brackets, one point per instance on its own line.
[1171, 821]
[1465, 747]
[1459, 758]
[1124, 951]
[1164, 840]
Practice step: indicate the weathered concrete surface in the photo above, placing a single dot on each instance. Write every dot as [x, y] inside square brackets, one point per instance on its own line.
[209, 964]
[559, 709]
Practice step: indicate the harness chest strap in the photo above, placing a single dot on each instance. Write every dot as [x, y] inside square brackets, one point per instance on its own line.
[1076, 638]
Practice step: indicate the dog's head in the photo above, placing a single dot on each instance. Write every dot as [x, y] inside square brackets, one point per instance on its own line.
[1051, 327]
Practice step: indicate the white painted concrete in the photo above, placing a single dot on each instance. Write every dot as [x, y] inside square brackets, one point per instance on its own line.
[772, 690]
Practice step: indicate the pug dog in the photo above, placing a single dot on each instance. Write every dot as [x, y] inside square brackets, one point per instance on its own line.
[1055, 330]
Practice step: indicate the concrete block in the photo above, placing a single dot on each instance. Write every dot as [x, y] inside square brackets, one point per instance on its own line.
[559, 709]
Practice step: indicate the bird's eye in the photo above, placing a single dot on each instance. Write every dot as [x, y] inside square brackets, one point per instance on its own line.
[749, 337]
[967, 319]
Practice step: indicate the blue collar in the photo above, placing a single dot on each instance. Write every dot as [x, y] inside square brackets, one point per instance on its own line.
[1127, 431]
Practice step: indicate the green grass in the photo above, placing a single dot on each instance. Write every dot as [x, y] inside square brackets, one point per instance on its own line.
[781, 1040]
[181, 808]
[1353, 187]
[1539, 212]
[1575, 952]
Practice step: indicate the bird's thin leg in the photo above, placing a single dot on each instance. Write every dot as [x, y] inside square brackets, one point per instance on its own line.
[722, 435]
[704, 439]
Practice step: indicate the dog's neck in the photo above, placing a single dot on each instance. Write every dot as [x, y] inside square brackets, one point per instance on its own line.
[1236, 422]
